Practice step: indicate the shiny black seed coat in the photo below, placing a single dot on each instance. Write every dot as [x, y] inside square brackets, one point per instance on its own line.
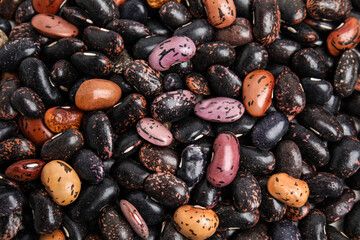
[76, 16]
[167, 189]
[130, 30]
[98, 134]
[311, 146]
[125, 115]
[7, 88]
[174, 14]
[27, 102]
[268, 131]
[212, 53]
[88, 166]
[92, 63]
[205, 194]
[63, 146]
[324, 123]
[63, 49]
[46, 213]
[285, 229]
[35, 75]
[193, 164]
[223, 82]
[256, 161]
[101, 11]
[345, 158]
[92, 199]
[271, 210]
[144, 79]
[229, 217]
[105, 41]
[130, 174]
[143, 47]
[289, 95]
[199, 30]
[282, 50]
[317, 91]
[308, 63]
[134, 10]
[127, 143]
[337, 208]
[346, 73]
[64, 75]
[190, 129]
[313, 225]
[240, 127]
[288, 159]
[152, 212]
[10, 196]
[252, 56]
[324, 184]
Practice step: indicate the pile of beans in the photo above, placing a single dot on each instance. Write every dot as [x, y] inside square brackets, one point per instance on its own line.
[170, 120]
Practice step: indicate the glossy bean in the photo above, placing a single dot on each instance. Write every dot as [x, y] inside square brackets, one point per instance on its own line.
[225, 163]
[62, 146]
[220, 14]
[182, 48]
[167, 189]
[82, 210]
[174, 14]
[98, 133]
[159, 159]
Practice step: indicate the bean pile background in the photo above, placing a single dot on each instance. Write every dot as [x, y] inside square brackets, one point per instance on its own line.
[174, 120]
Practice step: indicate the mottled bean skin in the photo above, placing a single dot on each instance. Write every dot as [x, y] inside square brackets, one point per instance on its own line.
[285, 229]
[324, 184]
[220, 109]
[113, 225]
[289, 94]
[311, 146]
[46, 213]
[290, 191]
[14, 149]
[154, 132]
[246, 192]
[173, 106]
[335, 209]
[345, 37]
[321, 122]
[296, 214]
[266, 20]
[13, 52]
[328, 10]
[195, 222]
[351, 226]
[171, 51]
[346, 73]
[167, 189]
[25, 170]
[225, 164]
[220, 14]
[256, 93]
[61, 181]
[288, 158]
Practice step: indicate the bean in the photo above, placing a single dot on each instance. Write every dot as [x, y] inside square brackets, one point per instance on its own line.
[179, 120]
